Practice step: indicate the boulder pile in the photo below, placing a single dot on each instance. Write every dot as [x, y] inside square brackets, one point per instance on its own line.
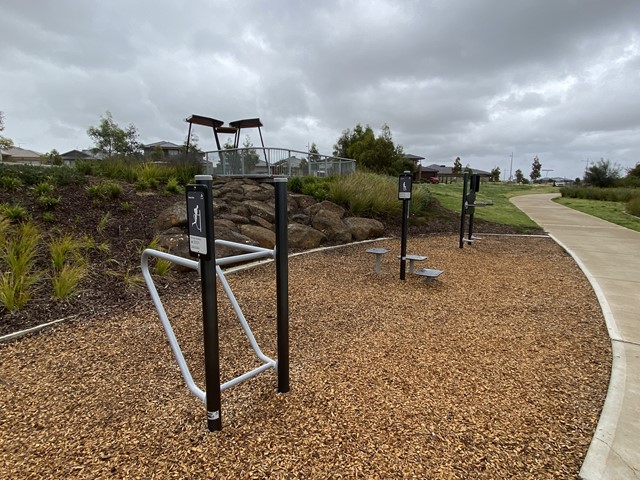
[244, 212]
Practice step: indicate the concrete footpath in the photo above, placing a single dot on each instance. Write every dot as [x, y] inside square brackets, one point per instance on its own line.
[609, 255]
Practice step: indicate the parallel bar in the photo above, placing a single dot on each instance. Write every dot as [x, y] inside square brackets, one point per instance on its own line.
[173, 342]
[244, 257]
[463, 210]
[247, 376]
[243, 246]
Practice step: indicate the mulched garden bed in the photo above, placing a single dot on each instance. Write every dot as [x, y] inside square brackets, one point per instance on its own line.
[498, 370]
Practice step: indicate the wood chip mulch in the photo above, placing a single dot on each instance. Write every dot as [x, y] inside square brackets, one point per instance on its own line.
[497, 370]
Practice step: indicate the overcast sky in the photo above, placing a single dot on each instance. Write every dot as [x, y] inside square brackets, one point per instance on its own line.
[559, 79]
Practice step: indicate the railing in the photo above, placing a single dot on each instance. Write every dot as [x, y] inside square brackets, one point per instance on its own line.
[275, 161]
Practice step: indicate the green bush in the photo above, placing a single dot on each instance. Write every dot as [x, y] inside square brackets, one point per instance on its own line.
[42, 188]
[11, 184]
[633, 206]
[17, 261]
[104, 190]
[172, 185]
[15, 213]
[596, 193]
[48, 202]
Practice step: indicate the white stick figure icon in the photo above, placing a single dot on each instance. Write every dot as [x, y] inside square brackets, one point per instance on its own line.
[197, 218]
[404, 185]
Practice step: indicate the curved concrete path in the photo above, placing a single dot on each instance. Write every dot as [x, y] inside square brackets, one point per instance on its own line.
[609, 255]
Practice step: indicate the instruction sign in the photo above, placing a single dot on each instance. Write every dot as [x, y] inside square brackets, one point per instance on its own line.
[197, 200]
[404, 186]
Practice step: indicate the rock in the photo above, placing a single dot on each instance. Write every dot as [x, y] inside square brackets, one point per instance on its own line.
[264, 237]
[176, 244]
[301, 218]
[331, 225]
[173, 216]
[305, 237]
[232, 217]
[302, 201]
[328, 206]
[261, 222]
[225, 233]
[364, 228]
[226, 223]
[260, 209]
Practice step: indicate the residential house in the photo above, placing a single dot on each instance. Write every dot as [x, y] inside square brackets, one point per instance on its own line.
[20, 156]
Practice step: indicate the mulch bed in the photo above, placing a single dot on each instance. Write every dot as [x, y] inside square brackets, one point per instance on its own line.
[498, 370]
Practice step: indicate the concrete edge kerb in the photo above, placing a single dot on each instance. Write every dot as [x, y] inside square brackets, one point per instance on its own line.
[595, 461]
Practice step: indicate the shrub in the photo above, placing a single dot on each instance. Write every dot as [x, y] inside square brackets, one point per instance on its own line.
[42, 188]
[633, 206]
[18, 256]
[11, 184]
[15, 213]
[172, 185]
[85, 167]
[48, 202]
[65, 280]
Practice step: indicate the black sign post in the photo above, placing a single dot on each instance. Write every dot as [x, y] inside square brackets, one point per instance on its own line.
[202, 245]
[404, 194]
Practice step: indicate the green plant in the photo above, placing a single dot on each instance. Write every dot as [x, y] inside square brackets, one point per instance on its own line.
[172, 185]
[102, 224]
[11, 184]
[42, 188]
[18, 255]
[633, 206]
[48, 217]
[48, 202]
[162, 267]
[126, 206]
[66, 279]
[66, 249]
[104, 190]
[16, 213]
[133, 280]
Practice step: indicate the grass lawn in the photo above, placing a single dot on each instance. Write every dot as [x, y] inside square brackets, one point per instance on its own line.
[610, 211]
[503, 211]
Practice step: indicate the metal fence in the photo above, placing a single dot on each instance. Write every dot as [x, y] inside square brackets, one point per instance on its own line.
[276, 161]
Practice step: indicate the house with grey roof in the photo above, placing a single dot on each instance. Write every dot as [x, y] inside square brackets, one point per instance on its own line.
[20, 156]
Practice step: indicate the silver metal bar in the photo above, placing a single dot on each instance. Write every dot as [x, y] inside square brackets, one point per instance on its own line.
[244, 257]
[173, 342]
[247, 376]
[242, 246]
[241, 317]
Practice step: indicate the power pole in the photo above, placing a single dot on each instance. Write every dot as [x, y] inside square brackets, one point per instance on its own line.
[511, 168]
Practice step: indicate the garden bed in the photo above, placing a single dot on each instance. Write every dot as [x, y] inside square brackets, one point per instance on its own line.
[497, 370]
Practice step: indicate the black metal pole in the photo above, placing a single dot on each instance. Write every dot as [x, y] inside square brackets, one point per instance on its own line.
[463, 211]
[403, 241]
[210, 316]
[474, 184]
[282, 282]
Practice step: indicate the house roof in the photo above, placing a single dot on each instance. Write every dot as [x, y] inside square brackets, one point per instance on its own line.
[17, 152]
[76, 154]
[162, 144]
[415, 158]
[444, 170]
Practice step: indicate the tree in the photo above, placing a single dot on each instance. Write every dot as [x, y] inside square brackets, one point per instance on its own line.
[4, 141]
[375, 154]
[536, 168]
[239, 161]
[457, 166]
[634, 172]
[602, 174]
[52, 158]
[520, 176]
[495, 174]
[111, 140]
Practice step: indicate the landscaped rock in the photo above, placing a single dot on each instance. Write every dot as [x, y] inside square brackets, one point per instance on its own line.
[328, 206]
[363, 228]
[330, 224]
[244, 212]
[173, 216]
[264, 237]
[305, 237]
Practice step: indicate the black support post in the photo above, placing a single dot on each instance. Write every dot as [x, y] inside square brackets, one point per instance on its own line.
[463, 210]
[282, 282]
[403, 241]
[210, 316]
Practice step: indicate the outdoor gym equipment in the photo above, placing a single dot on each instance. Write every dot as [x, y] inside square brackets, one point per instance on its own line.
[469, 205]
[202, 245]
